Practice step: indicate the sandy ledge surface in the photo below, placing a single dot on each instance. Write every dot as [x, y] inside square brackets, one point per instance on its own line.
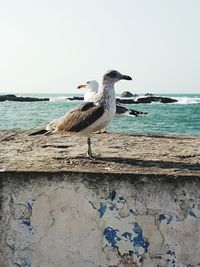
[114, 153]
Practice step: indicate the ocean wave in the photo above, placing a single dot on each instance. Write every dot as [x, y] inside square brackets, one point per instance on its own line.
[58, 99]
[182, 100]
[187, 100]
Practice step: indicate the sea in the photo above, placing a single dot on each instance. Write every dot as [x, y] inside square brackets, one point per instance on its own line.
[180, 118]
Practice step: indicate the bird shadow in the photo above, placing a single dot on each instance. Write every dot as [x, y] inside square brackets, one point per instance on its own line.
[152, 163]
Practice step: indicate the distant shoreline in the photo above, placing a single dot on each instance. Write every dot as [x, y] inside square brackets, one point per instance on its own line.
[73, 93]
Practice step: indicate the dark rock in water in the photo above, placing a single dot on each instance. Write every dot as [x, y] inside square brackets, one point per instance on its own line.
[75, 98]
[126, 94]
[149, 94]
[160, 99]
[147, 100]
[6, 97]
[21, 99]
[126, 101]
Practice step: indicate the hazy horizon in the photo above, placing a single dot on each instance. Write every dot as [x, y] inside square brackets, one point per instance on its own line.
[53, 46]
[74, 93]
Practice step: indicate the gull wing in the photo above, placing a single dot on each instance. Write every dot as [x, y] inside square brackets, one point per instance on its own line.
[120, 110]
[77, 119]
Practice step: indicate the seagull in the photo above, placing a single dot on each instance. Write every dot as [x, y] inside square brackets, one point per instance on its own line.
[92, 89]
[90, 116]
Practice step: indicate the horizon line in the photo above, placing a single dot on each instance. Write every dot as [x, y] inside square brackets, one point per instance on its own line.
[59, 93]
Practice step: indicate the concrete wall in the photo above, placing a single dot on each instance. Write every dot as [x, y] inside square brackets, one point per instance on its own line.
[89, 220]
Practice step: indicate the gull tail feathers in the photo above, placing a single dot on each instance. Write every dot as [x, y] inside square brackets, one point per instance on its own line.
[40, 132]
[136, 113]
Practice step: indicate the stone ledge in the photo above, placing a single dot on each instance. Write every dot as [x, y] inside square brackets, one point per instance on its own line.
[94, 177]
[176, 156]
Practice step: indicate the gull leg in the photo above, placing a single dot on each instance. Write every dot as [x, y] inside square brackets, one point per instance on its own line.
[89, 152]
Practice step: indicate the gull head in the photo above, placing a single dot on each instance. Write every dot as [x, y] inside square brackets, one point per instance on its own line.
[114, 76]
[90, 84]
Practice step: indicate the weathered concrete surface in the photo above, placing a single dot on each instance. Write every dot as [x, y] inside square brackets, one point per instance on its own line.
[137, 205]
[177, 156]
[73, 219]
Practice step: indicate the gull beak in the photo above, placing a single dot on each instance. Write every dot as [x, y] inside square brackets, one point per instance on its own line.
[126, 77]
[81, 86]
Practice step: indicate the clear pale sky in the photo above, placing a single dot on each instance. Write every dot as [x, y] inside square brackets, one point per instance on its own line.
[51, 46]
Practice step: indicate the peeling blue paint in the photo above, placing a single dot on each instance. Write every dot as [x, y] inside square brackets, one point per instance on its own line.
[111, 236]
[102, 209]
[92, 204]
[26, 263]
[161, 217]
[191, 213]
[133, 212]
[27, 212]
[112, 195]
[168, 218]
[171, 252]
[131, 252]
[172, 257]
[121, 200]
[29, 206]
[139, 240]
[127, 235]
[137, 228]
[112, 207]
[27, 223]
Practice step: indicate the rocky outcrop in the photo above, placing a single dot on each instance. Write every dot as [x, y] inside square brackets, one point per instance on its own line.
[20, 98]
[147, 100]
[149, 94]
[126, 94]
[75, 98]
[140, 100]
